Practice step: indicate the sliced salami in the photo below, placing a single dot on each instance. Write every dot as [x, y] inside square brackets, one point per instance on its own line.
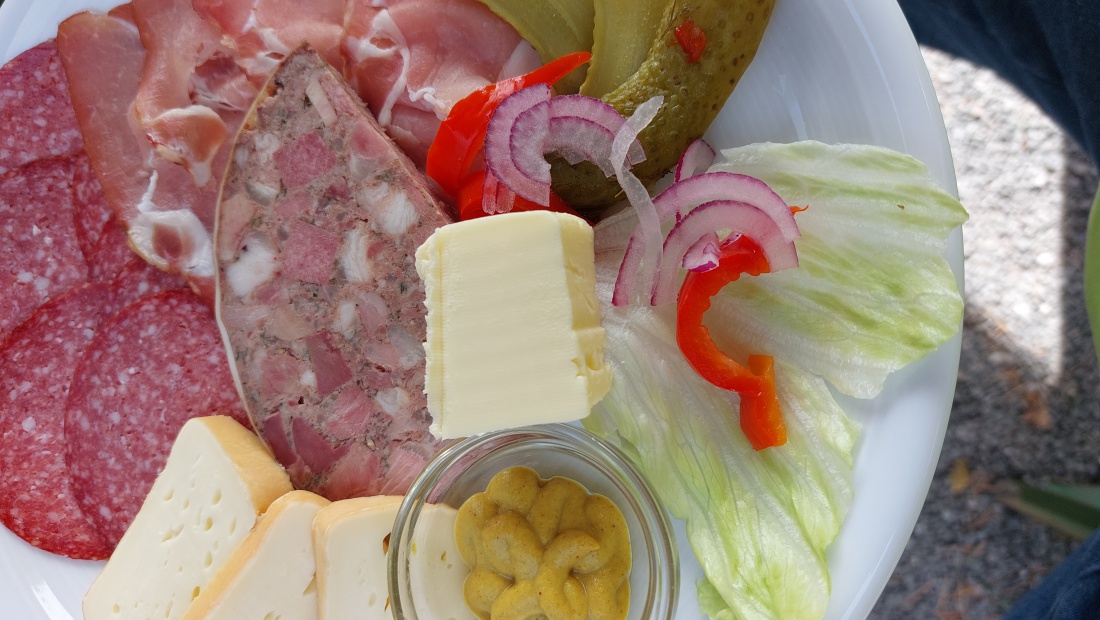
[111, 253]
[36, 114]
[151, 367]
[39, 257]
[318, 294]
[39, 359]
[139, 279]
[90, 208]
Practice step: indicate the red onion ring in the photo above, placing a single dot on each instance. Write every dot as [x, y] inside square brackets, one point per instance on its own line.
[740, 217]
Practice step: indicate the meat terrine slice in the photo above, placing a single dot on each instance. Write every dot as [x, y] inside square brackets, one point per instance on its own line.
[318, 297]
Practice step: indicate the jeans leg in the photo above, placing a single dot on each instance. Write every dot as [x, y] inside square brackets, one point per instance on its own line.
[1070, 592]
[1049, 49]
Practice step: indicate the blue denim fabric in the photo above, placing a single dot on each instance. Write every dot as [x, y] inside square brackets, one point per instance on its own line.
[1049, 49]
[1070, 592]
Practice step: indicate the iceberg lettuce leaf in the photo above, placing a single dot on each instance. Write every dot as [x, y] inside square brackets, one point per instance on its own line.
[873, 293]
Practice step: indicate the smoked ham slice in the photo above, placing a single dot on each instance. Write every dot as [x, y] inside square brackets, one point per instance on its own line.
[411, 60]
[318, 297]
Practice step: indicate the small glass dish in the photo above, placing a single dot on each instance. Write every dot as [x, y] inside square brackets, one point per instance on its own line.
[465, 468]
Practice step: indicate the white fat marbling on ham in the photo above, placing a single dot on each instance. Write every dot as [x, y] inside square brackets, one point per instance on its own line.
[411, 60]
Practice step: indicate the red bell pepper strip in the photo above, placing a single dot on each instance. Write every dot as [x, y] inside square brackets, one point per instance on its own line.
[761, 419]
[692, 40]
[462, 134]
[470, 200]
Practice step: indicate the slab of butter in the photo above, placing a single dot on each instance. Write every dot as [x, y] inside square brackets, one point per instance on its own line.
[514, 335]
[218, 478]
[351, 538]
[271, 574]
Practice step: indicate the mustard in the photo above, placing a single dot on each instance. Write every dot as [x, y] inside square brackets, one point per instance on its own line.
[543, 549]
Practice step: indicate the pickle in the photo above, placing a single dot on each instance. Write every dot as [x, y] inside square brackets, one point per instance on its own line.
[554, 28]
[693, 93]
[623, 32]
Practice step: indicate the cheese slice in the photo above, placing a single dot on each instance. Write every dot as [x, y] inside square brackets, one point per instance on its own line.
[514, 335]
[352, 539]
[271, 574]
[218, 478]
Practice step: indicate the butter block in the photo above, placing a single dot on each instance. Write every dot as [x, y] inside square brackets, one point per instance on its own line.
[514, 335]
[271, 574]
[351, 540]
[218, 478]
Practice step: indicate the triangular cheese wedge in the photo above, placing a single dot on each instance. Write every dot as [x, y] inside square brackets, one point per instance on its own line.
[219, 477]
[271, 574]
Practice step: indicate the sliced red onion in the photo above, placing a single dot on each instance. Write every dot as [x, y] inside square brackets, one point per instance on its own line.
[695, 159]
[704, 255]
[628, 273]
[530, 123]
[578, 139]
[685, 195]
[598, 112]
[532, 127]
[645, 245]
[735, 215]
[495, 196]
[501, 138]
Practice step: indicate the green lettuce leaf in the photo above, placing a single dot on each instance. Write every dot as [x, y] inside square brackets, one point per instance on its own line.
[872, 292]
[760, 522]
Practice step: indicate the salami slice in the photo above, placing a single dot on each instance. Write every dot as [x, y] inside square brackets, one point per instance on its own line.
[39, 359]
[151, 367]
[139, 279]
[36, 114]
[39, 257]
[111, 253]
[90, 208]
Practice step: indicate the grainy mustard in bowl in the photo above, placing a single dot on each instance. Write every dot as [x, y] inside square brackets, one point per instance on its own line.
[466, 468]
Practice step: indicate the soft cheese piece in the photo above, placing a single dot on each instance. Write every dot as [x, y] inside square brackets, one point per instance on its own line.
[352, 538]
[271, 574]
[218, 478]
[514, 335]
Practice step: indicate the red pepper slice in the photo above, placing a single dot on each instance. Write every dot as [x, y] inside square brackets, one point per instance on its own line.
[470, 200]
[692, 39]
[761, 419]
[462, 133]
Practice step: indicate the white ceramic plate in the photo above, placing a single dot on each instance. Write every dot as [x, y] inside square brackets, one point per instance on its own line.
[830, 70]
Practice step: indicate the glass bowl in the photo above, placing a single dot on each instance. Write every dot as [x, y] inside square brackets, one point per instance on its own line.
[465, 468]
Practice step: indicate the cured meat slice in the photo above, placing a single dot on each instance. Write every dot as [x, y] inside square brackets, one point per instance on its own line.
[90, 208]
[36, 117]
[111, 253]
[411, 60]
[319, 299]
[39, 257]
[39, 359]
[152, 366]
[138, 279]
[265, 31]
[156, 199]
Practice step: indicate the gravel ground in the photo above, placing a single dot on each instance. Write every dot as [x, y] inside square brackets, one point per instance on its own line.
[1027, 400]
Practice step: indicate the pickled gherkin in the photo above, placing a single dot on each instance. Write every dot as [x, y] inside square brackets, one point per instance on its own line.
[694, 92]
[724, 34]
